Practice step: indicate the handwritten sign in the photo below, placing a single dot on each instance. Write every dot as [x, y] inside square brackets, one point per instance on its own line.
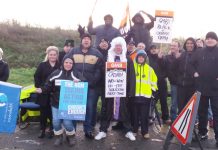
[73, 98]
[115, 79]
[163, 27]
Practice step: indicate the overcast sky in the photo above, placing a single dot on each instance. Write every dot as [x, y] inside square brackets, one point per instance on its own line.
[191, 17]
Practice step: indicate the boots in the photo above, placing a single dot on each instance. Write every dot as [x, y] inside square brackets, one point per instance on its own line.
[71, 140]
[58, 140]
[41, 134]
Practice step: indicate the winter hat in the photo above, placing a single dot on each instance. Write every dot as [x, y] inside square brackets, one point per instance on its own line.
[1, 53]
[141, 53]
[69, 42]
[86, 35]
[212, 35]
[108, 16]
[131, 42]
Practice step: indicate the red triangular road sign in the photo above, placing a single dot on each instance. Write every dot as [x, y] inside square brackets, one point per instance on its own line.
[183, 126]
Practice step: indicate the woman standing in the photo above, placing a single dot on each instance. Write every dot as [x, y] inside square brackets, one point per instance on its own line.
[44, 69]
[4, 69]
[53, 86]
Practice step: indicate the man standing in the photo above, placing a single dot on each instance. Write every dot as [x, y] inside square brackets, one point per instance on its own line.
[140, 31]
[88, 64]
[69, 44]
[207, 83]
[103, 31]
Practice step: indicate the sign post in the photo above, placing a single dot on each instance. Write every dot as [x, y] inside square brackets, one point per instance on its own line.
[183, 127]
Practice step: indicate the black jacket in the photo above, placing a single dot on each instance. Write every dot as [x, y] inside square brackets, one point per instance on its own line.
[4, 71]
[158, 65]
[61, 56]
[52, 86]
[185, 69]
[42, 72]
[171, 68]
[140, 32]
[87, 65]
[205, 62]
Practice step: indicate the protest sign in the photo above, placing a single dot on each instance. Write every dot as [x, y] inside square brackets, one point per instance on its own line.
[9, 104]
[73, 98]
[115, 79]
[163, 27]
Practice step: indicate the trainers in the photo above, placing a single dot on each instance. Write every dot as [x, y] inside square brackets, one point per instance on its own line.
[147, 136]
[130, 136]
[89, 135]
[134, 133]
[100, 135]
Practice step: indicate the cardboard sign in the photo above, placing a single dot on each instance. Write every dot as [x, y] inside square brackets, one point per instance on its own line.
[115, 79]
[9, 104]
[73, 99]
[163, 27]
[183, 126]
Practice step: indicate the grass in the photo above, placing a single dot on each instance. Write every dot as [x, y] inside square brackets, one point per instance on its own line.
[22, 76]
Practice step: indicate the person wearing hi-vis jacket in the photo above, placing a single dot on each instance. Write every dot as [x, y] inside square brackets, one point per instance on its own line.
[145, 87]
[117, 107]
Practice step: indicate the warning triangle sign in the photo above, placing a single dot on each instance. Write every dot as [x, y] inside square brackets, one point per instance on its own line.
[183, 126]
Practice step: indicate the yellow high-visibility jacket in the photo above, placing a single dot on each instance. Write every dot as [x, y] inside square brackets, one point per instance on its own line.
[146, 80]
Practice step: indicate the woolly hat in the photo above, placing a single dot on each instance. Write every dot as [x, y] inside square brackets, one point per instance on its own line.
[69, 42]
[141, 53]
[212, 35]
[131, 42]
[86, 35]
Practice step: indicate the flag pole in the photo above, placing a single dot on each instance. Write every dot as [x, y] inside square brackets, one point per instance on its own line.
[94, 7]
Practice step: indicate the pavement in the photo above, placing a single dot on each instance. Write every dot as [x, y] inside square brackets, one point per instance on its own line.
[27, 139]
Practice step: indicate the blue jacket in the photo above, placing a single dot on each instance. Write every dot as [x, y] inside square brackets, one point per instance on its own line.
[103, 31]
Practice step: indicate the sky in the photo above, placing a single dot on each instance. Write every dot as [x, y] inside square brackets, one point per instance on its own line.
[191, 17]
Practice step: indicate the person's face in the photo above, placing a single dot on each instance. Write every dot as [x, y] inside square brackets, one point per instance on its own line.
[199, 43]
[154, 51]
[103, 45]
[141, 46]
[67, 48]
[174, 47]
[108, 21]
[189, 46]
[68, 64]
[130, 47]
[210, 42]
[141, 59]
[86, 42]
[52, 56]
[118, 49]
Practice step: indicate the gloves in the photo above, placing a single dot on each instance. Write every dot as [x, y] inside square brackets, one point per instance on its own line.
[81, 30]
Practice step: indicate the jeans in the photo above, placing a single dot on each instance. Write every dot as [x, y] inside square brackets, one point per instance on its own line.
[174, 105]
[91, 110]
[203, 114]
[68, 124]
[210, 114]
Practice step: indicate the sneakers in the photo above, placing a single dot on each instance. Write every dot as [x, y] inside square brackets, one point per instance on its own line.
[100, 135]
[130, 136]
[147, 136]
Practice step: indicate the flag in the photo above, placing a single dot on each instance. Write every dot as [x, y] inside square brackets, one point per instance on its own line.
[124, 22]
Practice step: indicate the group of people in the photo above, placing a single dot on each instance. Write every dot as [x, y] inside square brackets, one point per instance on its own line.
[188, 69]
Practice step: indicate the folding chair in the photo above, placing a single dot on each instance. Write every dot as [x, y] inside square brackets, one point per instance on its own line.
[27, 103]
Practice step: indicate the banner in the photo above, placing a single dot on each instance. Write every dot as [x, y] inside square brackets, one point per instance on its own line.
[115, 79]
[163, 27]
[124, 27]
[73, 98]
[9, 104]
